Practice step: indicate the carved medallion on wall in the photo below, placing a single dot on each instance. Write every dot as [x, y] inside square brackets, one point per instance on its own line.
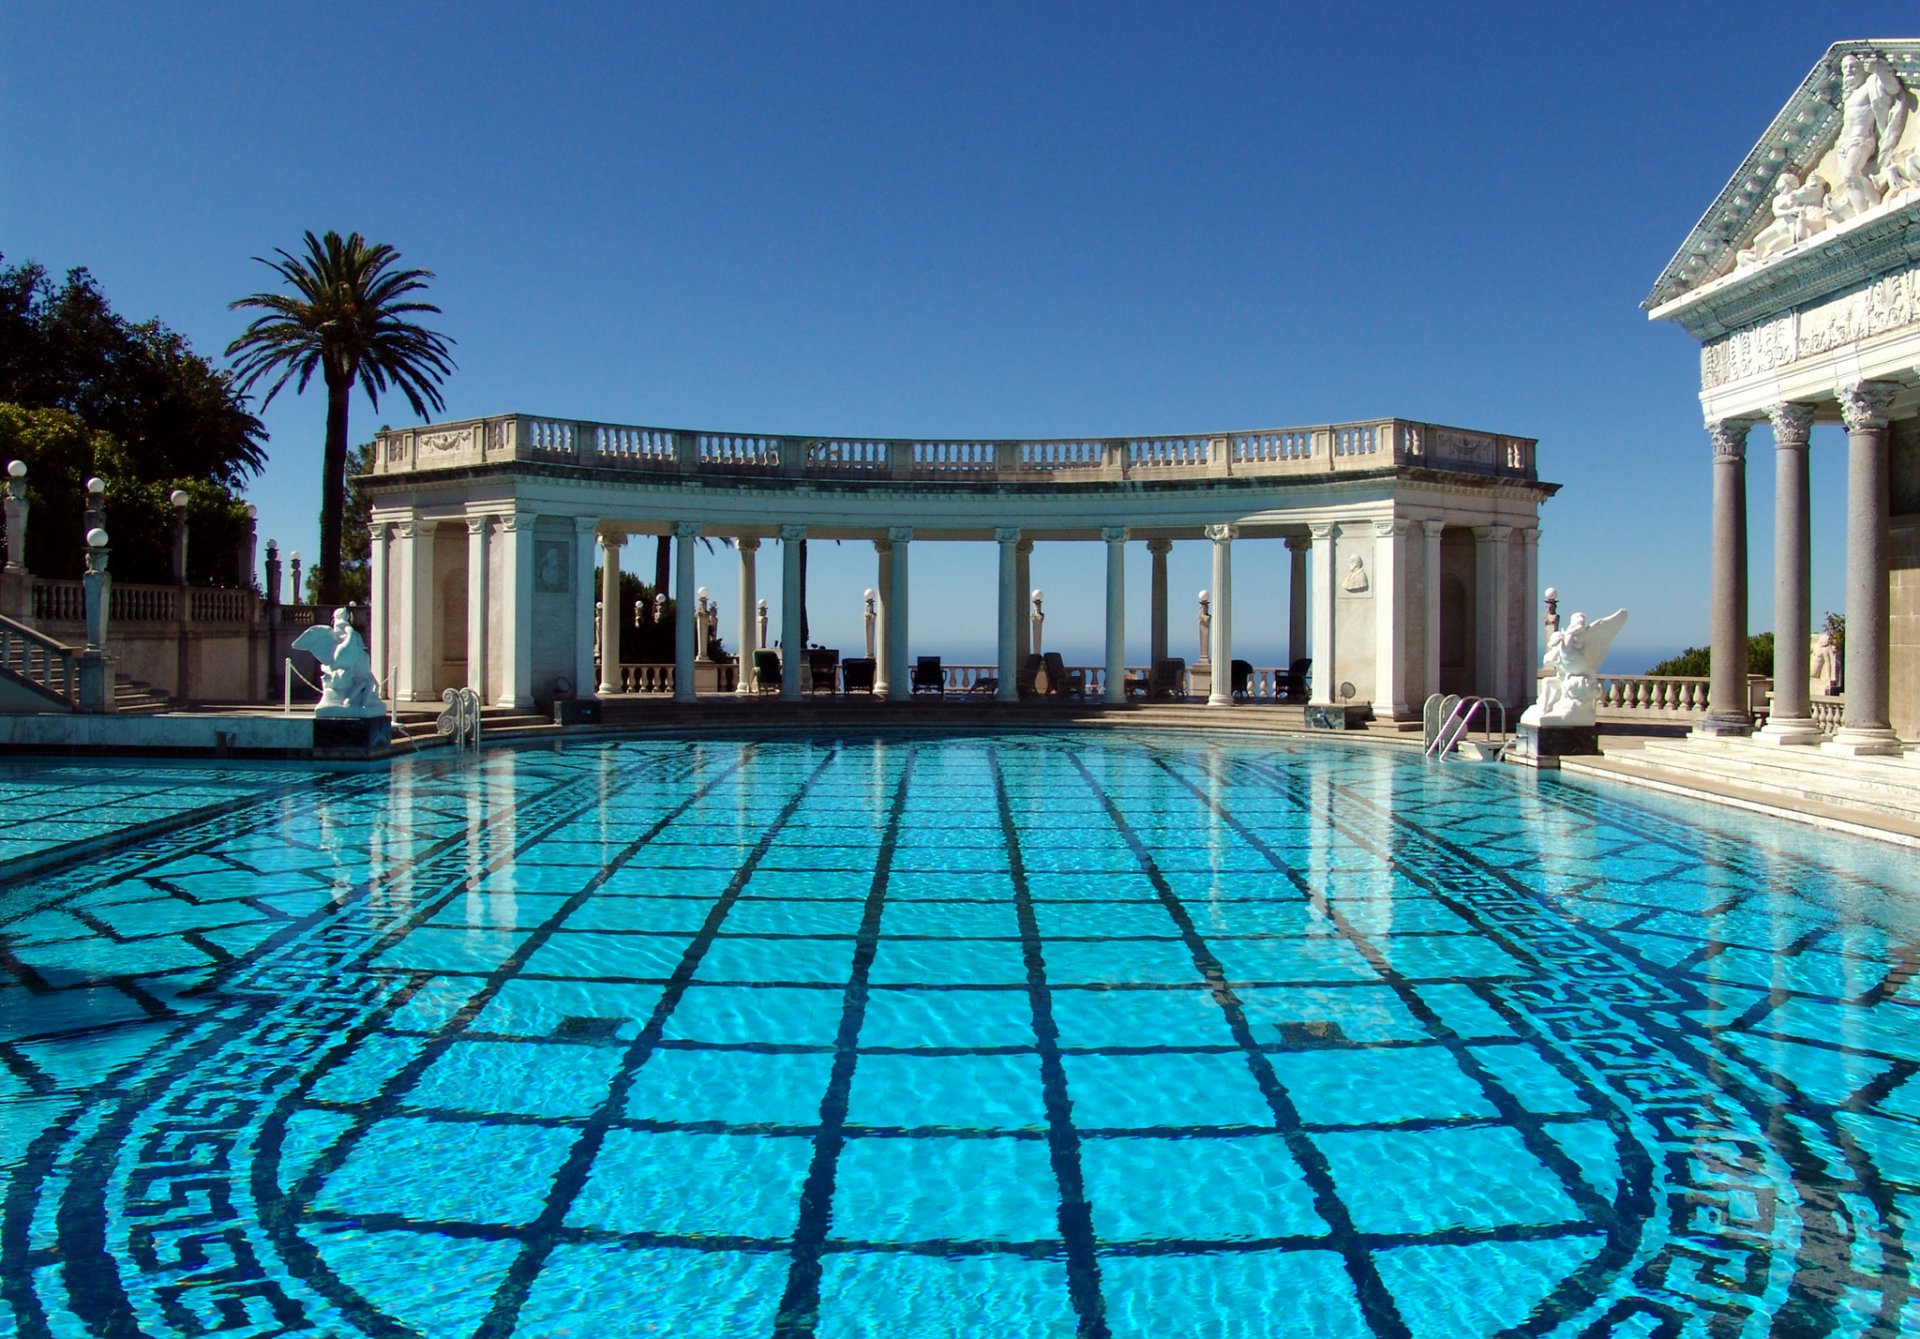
[550, 565]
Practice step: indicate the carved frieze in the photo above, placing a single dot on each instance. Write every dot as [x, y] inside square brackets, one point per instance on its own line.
[1472, 447]
[1890, 302]
[440, 443]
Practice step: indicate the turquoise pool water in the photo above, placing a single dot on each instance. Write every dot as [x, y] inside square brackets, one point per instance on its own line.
[1014, 1036]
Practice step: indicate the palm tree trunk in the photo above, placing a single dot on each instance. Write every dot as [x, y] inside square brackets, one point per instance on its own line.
[333, 491]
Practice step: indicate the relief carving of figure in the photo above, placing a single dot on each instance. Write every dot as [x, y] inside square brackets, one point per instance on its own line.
[1799, 211]
[1355, 580]
[1572, 695]
[1873, 114]
[347, 685]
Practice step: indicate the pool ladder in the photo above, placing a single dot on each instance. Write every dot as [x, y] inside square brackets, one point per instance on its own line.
[1447, 720]
[461, 719]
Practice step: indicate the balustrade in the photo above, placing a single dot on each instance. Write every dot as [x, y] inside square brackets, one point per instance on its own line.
[1645, 695]
[38, 659]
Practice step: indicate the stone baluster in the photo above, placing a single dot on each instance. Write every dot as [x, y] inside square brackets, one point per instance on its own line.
[1790, 719]
[1116, 667]
[1727, 704]
[1864, 726]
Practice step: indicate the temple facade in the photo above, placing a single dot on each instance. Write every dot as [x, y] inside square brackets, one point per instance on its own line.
[1411, 549]
[1802, 285]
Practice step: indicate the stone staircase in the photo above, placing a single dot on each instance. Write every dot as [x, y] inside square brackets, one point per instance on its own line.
[131, 695]
[1879, 796]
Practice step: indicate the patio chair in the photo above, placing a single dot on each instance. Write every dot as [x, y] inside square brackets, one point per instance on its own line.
[766, 671]
[856, 675]
[824, 669]
[928, 677]
[1294, 684]
[1028, 681]
[1169, 680]
[1241, 682]
[1061, 681]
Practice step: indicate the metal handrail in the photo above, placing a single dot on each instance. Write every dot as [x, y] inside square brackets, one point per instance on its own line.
[1443, 734]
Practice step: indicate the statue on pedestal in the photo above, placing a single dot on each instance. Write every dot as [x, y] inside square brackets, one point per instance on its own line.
[347, 685]
[1572, 696]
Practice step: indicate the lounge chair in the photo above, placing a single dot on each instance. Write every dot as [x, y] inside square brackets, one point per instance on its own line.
[928, 677]
[1241, 682]
[1028, 681]
[1169, 680]
[856, 675]
[1294, 685]
[823, 667]
[1061, 681]
[766, 671]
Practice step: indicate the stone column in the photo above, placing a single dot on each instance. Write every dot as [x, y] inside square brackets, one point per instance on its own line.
[1864, 724]
[1297, 546]
[1492, 611]
[1790, 718]
[479, 546]
[584, 683]
[900, 686]
[516, 610]
[379, 612]
[685, 596]
[1431, 530]
[1157, 613]
[1116, 541]
[610, 621]
[418, 619]
[1529, 600]
[883, 592]
[1220, 693]
[749, 611]
[793, 642]
[1389, 619]
[1010, 620]
[1727, 703]
[1324, 582]
[1022, 583]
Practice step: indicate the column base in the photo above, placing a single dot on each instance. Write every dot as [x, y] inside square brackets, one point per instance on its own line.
[1784, 731]
[1738, 726]
[1326, 716]
[1863, 741]
[1543, 746]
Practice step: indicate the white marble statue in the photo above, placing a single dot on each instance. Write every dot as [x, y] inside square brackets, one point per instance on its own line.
[1823, 665]
[1799, 211]
[347, 686]
[1572, 695]
[1873, 115]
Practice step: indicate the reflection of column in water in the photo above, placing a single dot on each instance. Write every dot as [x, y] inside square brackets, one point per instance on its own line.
[1388, 772]
[1319, 820]
[475, 797]
[1217, 832]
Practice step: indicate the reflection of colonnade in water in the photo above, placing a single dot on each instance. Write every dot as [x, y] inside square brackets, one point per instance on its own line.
[1411, 548]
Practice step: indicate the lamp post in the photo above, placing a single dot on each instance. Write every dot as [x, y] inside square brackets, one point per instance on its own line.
[15, 494]
[872, 618]
[244, 555]
[293, 577]
[1037, 617]
[179, 499]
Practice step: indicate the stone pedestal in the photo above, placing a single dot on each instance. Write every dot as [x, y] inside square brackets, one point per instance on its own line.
[1321, 716]
[351, 736]
[1200, 679]
[16, 590]
[706, 676]
[576, 711]
[1545, 745]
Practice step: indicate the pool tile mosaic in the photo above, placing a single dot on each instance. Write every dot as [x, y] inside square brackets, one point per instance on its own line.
[1009, 1037]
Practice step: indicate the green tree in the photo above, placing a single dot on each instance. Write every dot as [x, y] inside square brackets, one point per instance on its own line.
[1696, 662]
[348, 318]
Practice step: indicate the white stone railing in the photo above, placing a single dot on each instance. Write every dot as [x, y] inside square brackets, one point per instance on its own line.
[1826, 712]
[657, 680]
[66, 602]
[39, 660]
[1269, 452]
[1647, 695]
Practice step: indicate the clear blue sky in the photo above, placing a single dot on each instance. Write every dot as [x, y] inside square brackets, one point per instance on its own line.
[968, 220]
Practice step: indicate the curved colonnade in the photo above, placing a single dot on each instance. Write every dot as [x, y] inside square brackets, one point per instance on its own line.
[1413, 546]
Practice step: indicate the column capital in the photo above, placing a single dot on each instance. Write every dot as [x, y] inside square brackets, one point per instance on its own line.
[1159, 546]
[1791, 424]
[514, 521]
[1729, 437]
[1007, 534]
[1492, 534]
[789, 533]
[900, 534]
[1024, 546]
[747, 544]
[406, 529]
[1433, 527]
[586, 525]
[883, 546]
[686, 529]
[1392, 527]
[478, 523]
[1321, 531]
[424, 526]
[1529, 534]
[1222, 534]
[1299, 543]
[610, 541]
[1864, 404]
[1114, 534]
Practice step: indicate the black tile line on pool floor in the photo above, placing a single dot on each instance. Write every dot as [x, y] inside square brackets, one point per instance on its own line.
[1814, 1293]
[503, 1314]
[282, 1215]
[81, 1224]
[1377, 1304]
[1618, 1220]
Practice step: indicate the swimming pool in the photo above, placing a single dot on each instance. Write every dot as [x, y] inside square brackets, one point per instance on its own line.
[998, 1036]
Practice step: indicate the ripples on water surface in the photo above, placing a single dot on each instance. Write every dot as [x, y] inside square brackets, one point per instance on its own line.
[1023, 1036]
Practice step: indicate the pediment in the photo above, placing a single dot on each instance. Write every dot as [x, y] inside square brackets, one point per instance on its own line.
[1841, 160]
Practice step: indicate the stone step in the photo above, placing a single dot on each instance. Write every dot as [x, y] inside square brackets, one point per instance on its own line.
[1893, 796]
[1793, 766]
[1892, 824]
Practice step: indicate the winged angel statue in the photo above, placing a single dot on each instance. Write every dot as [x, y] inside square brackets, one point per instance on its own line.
[347, 686]
[1574, 653]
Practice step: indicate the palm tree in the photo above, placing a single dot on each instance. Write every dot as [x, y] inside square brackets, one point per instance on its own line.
[346, 317]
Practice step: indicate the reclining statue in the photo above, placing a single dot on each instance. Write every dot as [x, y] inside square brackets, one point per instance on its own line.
[1572, 695]
[347, 686]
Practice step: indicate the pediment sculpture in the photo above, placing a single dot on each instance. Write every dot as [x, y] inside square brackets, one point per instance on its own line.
[347, 685]
[1574, 654]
